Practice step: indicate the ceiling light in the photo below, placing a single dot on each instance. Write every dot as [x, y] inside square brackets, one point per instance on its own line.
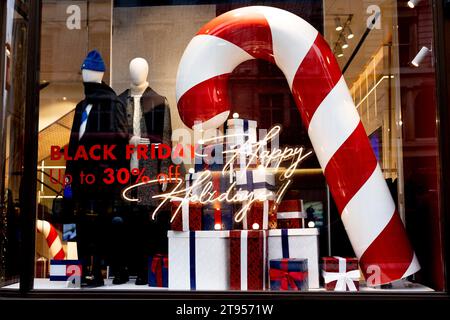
[344, 43]
[338, 24]
[350, 34]
[338, 51]
[420, 56]
[413, 3]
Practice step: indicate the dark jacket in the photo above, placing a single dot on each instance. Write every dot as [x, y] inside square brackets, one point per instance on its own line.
[106, 126]
[156, 126]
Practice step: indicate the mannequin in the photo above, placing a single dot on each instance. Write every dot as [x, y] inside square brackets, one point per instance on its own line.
[100, 119]
[149, 122]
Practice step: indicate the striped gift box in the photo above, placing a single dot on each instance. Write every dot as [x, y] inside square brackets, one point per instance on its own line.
[61, 270]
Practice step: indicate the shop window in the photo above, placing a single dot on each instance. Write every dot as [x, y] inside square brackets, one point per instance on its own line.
[361, 104]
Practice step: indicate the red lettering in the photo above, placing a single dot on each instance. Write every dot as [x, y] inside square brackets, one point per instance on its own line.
[55, 153]
[129, 149]
[161, 148]
[142, 150]
[81, 153]
[107, 152]
[92, 154]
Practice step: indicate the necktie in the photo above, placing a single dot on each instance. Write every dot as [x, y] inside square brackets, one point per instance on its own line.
[84, 118]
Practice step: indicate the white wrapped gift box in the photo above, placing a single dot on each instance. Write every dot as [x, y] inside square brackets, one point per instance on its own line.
[261, 182]
[199, 260]
[240, 132]
[297, 244]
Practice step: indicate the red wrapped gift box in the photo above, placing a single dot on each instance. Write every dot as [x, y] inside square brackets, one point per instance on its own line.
[290, 214]
[248, 259]
[259, 216]
[340, 274]
[189, 218]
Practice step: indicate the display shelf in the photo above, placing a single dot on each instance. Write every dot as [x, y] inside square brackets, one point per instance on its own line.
[46, 284]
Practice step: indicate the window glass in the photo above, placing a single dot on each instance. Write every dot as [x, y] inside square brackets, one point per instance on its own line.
[347, 183]
[12, 138]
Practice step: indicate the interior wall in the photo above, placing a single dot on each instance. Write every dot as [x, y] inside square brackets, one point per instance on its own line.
[164, 33]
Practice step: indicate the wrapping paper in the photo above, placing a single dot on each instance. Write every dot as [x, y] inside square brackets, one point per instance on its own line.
[42, 268]
[61, 270]
[298, 244]
[340, 274]
[189, 218]
[261, 182]
[259, 216]
[288, 274]
[217, 218]
[190, 178]
[199, 260]
[291, 214]
[213, 158]
[248, 259]
[158, 271]
[239, 132]
[218, 215]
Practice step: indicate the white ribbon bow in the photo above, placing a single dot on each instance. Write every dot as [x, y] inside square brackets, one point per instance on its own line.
[343, 278]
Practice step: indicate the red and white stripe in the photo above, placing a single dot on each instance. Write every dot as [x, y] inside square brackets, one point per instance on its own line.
[327, 109]
[52, 237]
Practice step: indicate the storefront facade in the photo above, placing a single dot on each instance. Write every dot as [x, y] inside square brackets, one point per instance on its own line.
[346, 71]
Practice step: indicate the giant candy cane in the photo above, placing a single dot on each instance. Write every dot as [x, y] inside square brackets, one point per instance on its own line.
[52, 238]
[367, 209]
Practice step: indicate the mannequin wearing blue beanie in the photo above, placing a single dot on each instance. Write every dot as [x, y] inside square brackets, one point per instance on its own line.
[100, 119]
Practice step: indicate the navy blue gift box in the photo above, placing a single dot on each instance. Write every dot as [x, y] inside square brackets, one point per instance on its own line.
[158, 271]
[289, 274]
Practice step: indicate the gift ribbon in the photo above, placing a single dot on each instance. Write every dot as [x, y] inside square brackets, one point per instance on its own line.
[343, 278]
[217, 208]
[244, 253]
[185, 215]
[261, 219]
[285, 243]
[252, 186]
[192, 268]
[157, 269]
[288, 278]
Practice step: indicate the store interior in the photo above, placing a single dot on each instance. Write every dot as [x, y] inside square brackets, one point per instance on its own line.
[394, 99]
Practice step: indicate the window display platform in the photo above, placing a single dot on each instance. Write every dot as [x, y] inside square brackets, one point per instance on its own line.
[46, 284]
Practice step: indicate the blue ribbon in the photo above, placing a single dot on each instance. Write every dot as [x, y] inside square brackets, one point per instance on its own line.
[251, 186]
[246, 126]
[285, 243]
[192, 259]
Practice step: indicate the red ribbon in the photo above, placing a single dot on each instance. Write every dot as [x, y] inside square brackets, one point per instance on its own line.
[217, 210]
[286, 277]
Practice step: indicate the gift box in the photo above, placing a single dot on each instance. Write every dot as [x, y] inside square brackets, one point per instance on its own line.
[199, 260]
[288, 274]
[248, 259]
[217, 216]
[190, 179]
[240, 131]
[259, 215]
[189, 218]
[340, 274]
[298, 244]
[158, 271]
[62, 270]
[241, 134]
[210, 157]
[290, 214]
[259, 181]
[42, 268]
